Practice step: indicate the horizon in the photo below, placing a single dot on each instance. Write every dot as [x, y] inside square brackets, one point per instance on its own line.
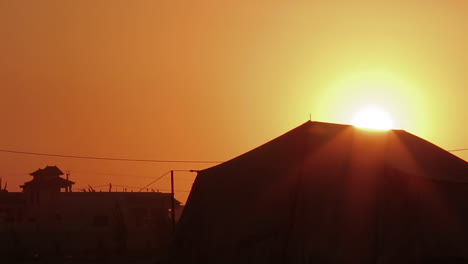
[181, 195]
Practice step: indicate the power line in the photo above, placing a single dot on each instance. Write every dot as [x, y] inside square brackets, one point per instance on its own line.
[157, 179]
[80, 172]
[106, 158]
[129, 187]
[454, 150]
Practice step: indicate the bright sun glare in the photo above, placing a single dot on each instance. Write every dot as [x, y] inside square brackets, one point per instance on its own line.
[372, 118]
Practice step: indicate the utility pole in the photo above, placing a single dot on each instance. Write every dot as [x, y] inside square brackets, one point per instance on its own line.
[172, 202]
[173, 198]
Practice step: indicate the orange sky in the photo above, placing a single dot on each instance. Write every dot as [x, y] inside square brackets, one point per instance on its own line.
[209, 80]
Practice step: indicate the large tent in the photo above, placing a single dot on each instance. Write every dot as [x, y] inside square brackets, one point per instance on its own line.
[329, 193]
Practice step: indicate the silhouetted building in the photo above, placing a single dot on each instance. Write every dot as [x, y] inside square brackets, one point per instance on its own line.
[43, 219]
[46, 185]
[329, 193]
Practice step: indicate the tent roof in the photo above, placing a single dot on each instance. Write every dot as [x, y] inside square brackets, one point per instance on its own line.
[399, 149]
[316, 165]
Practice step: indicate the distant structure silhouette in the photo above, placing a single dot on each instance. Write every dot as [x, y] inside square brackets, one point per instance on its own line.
[329, 193]
[46, 184]
[48, 220]
[4, 189]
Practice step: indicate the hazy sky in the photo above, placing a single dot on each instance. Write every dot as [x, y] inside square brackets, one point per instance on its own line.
[209, 80]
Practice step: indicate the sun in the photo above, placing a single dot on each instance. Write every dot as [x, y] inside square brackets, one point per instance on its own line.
[372, 118]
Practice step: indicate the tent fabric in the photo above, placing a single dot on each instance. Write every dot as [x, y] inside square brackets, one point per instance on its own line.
[329, 193]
